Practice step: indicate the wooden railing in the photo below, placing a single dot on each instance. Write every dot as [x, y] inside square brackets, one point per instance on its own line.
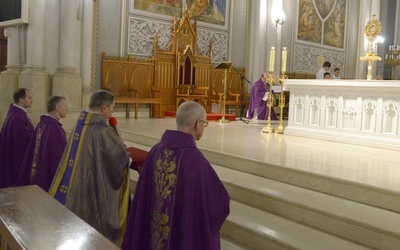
[32, 219]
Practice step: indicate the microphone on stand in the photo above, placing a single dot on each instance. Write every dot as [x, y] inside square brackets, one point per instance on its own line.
[113, 123]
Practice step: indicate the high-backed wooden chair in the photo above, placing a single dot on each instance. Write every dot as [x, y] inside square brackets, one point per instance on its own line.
[188, 88]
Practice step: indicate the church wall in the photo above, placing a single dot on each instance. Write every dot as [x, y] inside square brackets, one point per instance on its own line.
[238, 34]
[109, 33]
[389, 23]
[259, 39]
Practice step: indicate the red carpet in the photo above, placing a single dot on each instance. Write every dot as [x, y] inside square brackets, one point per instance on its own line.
[210, 116]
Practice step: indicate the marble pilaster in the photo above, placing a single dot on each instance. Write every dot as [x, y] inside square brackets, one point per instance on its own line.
[66, 82]
[34, 77]
[9, 77]
[89, 33]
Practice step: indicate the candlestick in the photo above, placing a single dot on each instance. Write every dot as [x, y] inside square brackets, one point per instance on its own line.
[284, 55]
[271, 59]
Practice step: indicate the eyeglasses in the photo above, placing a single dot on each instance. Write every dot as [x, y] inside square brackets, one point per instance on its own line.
[205, 123]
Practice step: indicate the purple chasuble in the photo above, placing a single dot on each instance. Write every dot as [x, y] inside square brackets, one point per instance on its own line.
[179, 201]
[43, 154]
[14, 139]
[256, 102]
[92, 177]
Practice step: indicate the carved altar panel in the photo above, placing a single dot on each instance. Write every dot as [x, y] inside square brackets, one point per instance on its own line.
[352, 111]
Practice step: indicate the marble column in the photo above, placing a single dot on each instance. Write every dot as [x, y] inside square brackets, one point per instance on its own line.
[89, 33]
[66, 82]
[261, 43]
[34, 77]
[9, 79]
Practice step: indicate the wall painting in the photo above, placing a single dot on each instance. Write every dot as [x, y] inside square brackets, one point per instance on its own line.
[163, 7]
[211, 12]
[322, 22]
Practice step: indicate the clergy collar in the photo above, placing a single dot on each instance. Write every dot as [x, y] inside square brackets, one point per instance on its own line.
[52, 116]
[16, 105]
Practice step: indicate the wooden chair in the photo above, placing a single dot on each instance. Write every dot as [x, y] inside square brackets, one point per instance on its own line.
[188, 92]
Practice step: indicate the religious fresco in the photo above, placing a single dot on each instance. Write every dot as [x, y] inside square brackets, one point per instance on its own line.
[322, 22]
[210, 11]
[310, 25]
[334, 26]
[164, 7]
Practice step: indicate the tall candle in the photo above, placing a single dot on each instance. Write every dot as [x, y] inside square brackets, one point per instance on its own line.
[271, 59]
[284, 55]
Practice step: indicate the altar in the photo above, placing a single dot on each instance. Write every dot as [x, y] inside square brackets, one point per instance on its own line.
[350, 111]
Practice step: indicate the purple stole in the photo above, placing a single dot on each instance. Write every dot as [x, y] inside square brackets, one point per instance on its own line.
[59, 189]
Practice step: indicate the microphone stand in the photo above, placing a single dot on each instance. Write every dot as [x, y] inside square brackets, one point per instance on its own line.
[242, 77]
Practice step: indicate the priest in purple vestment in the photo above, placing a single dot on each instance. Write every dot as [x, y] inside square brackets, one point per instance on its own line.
[92, 177]
[14, 137]
[179, 201]
[45, 147]
[258, 108]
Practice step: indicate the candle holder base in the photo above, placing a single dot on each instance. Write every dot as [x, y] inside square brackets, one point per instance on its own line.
[279, 130]
[223, 120]
[268, 129]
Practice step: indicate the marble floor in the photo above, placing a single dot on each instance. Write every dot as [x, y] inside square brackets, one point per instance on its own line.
[354, 163]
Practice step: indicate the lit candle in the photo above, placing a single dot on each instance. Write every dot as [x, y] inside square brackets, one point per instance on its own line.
[271, 59]
[284, 55]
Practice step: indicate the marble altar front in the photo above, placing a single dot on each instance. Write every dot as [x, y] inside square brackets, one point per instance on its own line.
[350, 111]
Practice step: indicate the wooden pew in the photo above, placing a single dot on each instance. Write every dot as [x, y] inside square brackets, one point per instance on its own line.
[32, 219]
[131, 81]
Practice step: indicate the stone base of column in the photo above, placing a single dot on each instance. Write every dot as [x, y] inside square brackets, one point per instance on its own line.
[69, 86]
[87, 92]
[37, 81]
[9, 81]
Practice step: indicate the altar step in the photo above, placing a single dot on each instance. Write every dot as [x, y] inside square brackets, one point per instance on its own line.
[264, 211]
[297, 210]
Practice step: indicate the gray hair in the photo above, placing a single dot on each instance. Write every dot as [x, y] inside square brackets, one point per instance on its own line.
[100, 98]
[53, 101]
[188, 113]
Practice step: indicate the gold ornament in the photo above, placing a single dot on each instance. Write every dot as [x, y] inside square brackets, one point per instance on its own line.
[372, 28]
